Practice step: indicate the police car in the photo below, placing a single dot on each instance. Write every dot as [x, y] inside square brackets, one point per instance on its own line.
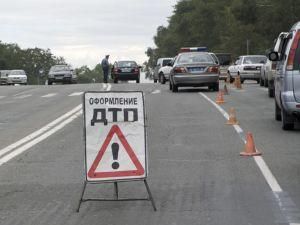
[194, 67]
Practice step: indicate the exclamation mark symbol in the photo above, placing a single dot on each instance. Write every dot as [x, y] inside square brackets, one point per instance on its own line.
[115, 153]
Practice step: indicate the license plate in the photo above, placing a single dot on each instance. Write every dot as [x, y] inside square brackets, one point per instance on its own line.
[196, 69]
[126, 70]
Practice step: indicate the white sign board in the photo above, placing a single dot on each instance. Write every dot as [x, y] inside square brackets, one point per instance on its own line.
[115, 136]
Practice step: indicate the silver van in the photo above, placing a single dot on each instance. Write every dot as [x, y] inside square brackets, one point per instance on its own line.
[287, 79]
[161, 62]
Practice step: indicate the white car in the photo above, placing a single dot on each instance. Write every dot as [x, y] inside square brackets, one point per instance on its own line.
[161, 62]
[17, 77]
[248, 67]
[265, 71]
[164, 73]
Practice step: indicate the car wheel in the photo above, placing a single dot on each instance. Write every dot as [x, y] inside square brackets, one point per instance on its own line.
[271, 92]
[261, 82]
[162, 79]
[138, 80]
[170, 85]
[49, 82]
[258, 80]
[266, 84]
[174, 88]
[155, 80]
[287, 121]
[277, 112]
[215, 86]
[115, 80]
[242, 81]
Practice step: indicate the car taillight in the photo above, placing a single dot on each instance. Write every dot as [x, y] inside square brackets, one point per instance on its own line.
[116, 70]
[213, 69]
[136, 70]
[179, 70]
[290, 62]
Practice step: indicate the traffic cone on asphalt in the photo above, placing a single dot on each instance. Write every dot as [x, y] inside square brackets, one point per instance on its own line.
[250, 149]
[225, 91]
[238, 82]
[220, 98]
[232, 118]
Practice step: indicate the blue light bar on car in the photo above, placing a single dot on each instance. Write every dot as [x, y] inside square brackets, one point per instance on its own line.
[194, 49]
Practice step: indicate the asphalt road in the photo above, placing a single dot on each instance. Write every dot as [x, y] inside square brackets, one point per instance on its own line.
[195, 172]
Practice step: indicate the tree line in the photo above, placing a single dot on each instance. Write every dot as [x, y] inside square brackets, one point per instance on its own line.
[228, 26]
[36, 60]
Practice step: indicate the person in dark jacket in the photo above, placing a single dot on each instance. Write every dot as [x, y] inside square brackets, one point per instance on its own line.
[105, 67]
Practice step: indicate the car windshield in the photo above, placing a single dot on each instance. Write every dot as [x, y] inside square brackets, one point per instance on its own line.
[17, 72]
[191, 58]
[166, 61]
[224, 59]
[255, 59]
[127, 64]
[59, 68]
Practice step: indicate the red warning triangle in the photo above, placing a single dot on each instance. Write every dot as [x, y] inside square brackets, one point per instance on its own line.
[139, 168]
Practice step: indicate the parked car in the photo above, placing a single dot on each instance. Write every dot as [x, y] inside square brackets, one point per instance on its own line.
[287, 79]
[194, 68]
[164, 72]
[264, 73]
[125, 70]
[224, 61]
[161, 62]
[17, 77]
[277, 48]
[62, 74]
[248, 67]
[3, 76]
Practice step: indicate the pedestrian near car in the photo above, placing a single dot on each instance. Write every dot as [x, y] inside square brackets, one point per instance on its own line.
[105, 67]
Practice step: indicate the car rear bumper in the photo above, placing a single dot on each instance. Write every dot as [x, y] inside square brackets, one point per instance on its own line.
[129, 76]
[16, 81]
[250, 75]
[63, 79]
[195, 80]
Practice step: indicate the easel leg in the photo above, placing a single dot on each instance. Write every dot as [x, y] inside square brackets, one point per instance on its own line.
[116, 190]
[80, 201]
[150, 195]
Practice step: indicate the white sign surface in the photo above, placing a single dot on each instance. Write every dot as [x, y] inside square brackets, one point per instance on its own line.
[115, 137]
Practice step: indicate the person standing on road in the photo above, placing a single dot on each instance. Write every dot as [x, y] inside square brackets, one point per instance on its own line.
[105, 67]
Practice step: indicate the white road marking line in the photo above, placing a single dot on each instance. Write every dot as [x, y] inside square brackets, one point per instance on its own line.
[39, 132]
[271, 180]
[44, 133]
[265, 170]
[2, 97]
[49, 95]
[22, 96]
[76, 94]
[156, 92]
[263, 89]
[25, 147]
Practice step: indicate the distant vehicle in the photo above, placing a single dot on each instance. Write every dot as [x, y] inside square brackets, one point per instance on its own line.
[224, 61]
[164, 72]
[3, 76]
[194, 68]
[277, 48]
[62, 74]
[248, 67]
[17, 77]
[287, 79]
[161, 62]
[125, 70]
[264, 73]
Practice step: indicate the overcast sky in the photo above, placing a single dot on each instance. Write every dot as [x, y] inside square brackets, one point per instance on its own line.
[83, 31]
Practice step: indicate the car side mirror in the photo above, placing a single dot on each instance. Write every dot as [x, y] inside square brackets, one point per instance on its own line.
[273, 56]
[140, 67]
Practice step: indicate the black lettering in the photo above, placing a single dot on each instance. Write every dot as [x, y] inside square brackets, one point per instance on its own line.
[95, 117]
[91, 101]
[126, 114]
[115, 113]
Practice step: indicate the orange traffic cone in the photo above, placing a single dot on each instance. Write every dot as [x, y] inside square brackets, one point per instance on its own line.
[220, 98]
[238, 82]
[225, 91]
[250, 149]
[232, 118]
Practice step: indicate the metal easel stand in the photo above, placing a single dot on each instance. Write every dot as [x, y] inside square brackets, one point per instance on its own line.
[116, 195]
